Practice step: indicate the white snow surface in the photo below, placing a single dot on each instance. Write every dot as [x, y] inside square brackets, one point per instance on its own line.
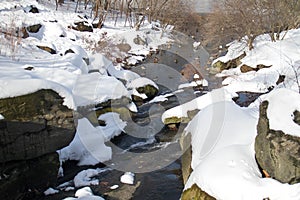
[282, 105]
[88, 145]
[281, 56]
[217, 95]
[50, 191]
[84, 194]
[127, 178]
[85, 177]
[65, 73]
[24, 68]
[224, 159]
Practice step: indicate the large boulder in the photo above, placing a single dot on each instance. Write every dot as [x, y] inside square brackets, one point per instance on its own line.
[195, 193]
[34, 127]
[277, 153]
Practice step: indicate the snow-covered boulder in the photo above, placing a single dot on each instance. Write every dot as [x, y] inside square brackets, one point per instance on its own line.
[277, 144]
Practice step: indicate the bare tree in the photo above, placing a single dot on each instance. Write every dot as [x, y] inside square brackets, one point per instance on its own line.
[234, 19]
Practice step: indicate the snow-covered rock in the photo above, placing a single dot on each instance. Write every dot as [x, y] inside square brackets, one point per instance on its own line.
[277, 144]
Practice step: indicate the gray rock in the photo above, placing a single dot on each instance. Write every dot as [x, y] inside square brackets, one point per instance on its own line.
[277, 152]
[34, 28]
[28, 179]
[195, 193]
[35, 124]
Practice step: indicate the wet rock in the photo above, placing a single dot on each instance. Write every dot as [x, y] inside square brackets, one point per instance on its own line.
[82, 27]
[277, 152]
[149, 90]
[35, 127]
[28, 179]
[34, 28]
[196, 193]
[186, 159]
[48, 49]
[31, 127]
[125, 192]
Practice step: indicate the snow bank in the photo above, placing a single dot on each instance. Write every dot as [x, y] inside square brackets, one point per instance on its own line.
[223, 158]
[95, 88]
[127, 178]
[84, 194]
[88, 146]
[217, 95]
[281, 58]
[84, 178]
[50, 191]
[282, 105]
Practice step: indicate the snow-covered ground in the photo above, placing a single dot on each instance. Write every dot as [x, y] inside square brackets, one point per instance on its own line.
[281, 59]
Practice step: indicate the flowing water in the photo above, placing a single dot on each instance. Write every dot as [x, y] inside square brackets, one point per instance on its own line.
[148, 148]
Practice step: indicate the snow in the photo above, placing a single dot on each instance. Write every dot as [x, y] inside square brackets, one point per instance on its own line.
[114, 125]
[101, 89]
[60, 72]
[127, 178]
[217, 95]
[84, 194]
[195, 83]
[223, 134]
[224, 159]
[84, 178]
[50, 191]
[161, 98]
[88, 145]
[114, 187]
[282, 58]
[196, 44]
[141, 82]
[282, 105]
[24, 68]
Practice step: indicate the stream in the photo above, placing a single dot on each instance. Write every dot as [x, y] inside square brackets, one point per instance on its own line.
[148, 148]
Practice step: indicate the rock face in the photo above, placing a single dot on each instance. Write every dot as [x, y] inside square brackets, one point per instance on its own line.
[196, 193]
[35, 127]
[277, 152]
